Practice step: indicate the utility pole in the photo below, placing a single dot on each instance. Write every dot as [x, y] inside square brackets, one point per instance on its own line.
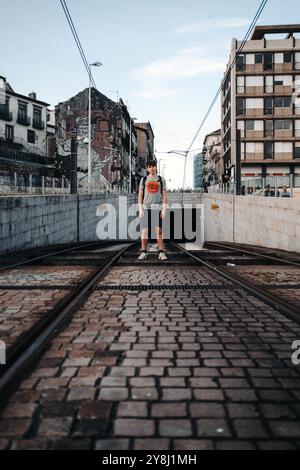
[238, 163]
[94, 64]
[73, 164]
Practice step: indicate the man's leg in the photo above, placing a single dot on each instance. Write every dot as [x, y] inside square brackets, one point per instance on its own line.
[144, 239]
[160, 239]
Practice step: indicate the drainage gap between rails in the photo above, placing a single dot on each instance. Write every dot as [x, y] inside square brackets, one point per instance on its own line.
[167, 287]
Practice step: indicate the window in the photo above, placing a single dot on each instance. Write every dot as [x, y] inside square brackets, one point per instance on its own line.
[254, 103]
[241, 127]
[283, 147]
[285, 124]
[254, 81]
[297, 150]
[268, 150]
[258, 58]
[283, 80]
[30, 137]
[37, 115]
[287, 57]
[268, 105]
[249, 125]
[250, 59]
[9, 133]
[279, 58]
[281, 102]
[269, 84]
[254, 148]
[240, 63]
[240, 106]
[269, 61]
[297, 128]
[268, 128]
[240, 84]
[22, 110]
[297, 60]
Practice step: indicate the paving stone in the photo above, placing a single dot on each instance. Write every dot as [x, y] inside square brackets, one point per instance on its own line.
[182, 444]
[285, 428]
[16, 427]
[134, 427]
[213, 428]
[95, 410]
[207, 410]
[175, 428]
[164, 410]
[90, 428]
[112, 444]
[151, 444]
[50, 427]
[131, 409]
[19, 410]
[29, 444]
[81, 393]
[249, 428]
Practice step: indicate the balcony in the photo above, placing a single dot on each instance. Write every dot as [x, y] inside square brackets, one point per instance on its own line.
[24, 120]
[5, 114]
[38, 124]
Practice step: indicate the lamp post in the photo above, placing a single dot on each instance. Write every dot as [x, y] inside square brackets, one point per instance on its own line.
[159, 164]
[130, 153]
[94, 64]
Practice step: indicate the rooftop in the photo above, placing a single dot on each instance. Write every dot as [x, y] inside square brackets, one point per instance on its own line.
[288, 29]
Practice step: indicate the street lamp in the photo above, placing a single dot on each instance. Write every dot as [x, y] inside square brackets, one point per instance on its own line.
[130, 154]
[94, 64]
[159, 164]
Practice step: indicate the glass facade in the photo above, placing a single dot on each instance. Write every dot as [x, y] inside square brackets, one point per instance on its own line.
[198, 160]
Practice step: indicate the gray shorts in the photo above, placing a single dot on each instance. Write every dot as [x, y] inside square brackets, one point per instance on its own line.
[152, 219]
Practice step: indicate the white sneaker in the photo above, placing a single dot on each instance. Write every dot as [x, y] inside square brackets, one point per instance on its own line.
[143, 256]
[162, 256]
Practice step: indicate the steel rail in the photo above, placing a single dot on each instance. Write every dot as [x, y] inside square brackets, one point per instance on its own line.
[286, 309]
[254, 253]
[38, 337]
[55, 253]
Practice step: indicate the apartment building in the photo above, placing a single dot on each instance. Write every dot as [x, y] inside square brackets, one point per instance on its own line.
[24, 158]
[145, 142]
[212, 164]
[113, 136]
[259, 98]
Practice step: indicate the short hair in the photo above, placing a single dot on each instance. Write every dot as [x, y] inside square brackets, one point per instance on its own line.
[152, 163]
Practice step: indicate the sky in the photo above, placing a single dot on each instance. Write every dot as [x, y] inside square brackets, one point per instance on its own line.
[165, 58]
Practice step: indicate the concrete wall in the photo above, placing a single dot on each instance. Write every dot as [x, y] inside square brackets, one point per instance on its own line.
[269, 222]
[34, 221]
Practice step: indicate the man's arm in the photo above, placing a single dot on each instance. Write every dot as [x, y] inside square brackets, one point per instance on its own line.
[140, 201]
[164, 204]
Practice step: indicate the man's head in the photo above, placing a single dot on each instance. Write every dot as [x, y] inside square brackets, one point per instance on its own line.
[284, 188]
[152, 168]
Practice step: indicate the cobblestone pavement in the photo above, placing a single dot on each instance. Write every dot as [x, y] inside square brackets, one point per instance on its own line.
[285, 275]
[158, 370]
[43, 275]
[21, 309]
[166, 276]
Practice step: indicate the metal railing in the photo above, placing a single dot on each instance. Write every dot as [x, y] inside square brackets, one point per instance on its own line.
[271, 186]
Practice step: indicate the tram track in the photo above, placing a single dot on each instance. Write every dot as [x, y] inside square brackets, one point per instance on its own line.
[33, 341]
[288, 309]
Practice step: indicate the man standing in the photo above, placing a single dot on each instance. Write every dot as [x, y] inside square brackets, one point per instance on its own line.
[152, 209]
[285, 192]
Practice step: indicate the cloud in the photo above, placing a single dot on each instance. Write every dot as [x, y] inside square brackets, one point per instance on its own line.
[156, 92]
[212, 23]
[187, 63]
